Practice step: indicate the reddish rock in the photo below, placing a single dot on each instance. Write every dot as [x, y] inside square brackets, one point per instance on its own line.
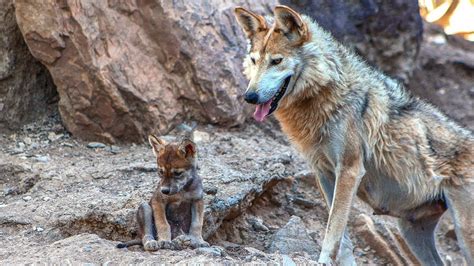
[127, 68]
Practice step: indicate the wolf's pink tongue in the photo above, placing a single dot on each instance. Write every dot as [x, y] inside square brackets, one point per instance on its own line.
[262, 111]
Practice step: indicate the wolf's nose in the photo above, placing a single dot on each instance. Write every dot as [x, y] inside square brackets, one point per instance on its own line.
[165, 190]
[251, 97]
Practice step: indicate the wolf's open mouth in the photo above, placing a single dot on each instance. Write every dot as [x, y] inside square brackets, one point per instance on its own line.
[265, 109]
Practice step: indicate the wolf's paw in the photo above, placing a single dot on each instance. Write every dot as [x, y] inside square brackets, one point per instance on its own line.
[151, 245]
[166, 244]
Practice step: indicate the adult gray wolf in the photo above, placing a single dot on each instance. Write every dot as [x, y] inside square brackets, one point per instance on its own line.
[362, 133]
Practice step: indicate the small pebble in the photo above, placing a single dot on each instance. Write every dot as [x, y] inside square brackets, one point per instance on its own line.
[27, 140]
[41, 158]
[87, 248]
[96, 145]
[201, 136]
[27, 198]
[53, 136]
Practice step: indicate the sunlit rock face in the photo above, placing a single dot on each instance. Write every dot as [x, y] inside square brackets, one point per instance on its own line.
[127, 68]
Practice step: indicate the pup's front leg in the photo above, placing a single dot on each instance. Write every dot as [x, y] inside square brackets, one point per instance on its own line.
[163, 228]
[347, 182]
[197, 220]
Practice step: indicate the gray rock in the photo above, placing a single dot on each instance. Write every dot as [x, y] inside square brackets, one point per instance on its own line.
[293, 237]
[42, 158]
[96, 145]
[257, 224]
[213, 251]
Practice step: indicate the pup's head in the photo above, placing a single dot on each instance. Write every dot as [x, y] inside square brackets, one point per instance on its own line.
[277, 57]
[176, 163]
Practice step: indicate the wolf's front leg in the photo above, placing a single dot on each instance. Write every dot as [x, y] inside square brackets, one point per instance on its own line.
[163, 228]
[326, 186]
[197, 220]
[347, 182]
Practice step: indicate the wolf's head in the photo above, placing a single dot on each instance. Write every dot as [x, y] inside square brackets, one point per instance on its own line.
[283, 58]
[176, 163]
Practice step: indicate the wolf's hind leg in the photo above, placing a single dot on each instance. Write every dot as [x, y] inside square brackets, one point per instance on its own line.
[146, 227]
[420, 237]
[459, 201]
[346, 255]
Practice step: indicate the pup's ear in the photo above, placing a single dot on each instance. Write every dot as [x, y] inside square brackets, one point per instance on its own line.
[156, 143]
[250, 22]
[187, 148]
[291, 24]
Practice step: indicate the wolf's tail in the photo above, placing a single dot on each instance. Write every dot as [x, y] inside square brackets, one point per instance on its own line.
[130, 243]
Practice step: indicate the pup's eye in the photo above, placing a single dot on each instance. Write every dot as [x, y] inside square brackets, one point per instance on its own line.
[178, 173]
[253, 60]
[276, 61]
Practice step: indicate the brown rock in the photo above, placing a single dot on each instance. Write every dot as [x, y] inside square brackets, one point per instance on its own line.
[25, 84]
[128, 68]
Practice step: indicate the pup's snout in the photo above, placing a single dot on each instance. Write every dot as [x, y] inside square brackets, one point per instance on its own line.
[165, 190]
[251, 97]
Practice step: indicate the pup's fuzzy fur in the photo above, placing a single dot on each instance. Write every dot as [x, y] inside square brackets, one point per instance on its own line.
[362, 133]
[173, 218]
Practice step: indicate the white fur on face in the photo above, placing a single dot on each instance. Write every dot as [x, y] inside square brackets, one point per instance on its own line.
[270, 82]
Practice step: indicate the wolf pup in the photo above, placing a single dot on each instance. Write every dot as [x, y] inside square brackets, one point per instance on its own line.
[177, 205]
[362, 133]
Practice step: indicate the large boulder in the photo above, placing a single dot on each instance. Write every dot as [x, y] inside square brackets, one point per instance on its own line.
[127, 68]
[386, 33]
[25, 85]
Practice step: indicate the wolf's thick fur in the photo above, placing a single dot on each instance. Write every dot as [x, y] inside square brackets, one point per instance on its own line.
[362, 133]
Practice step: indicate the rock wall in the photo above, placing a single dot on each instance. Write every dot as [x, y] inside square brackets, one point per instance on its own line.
[386, 33]
[127, 68]
[25, 84]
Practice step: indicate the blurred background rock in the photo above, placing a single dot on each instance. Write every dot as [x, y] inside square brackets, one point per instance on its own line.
[119, 70]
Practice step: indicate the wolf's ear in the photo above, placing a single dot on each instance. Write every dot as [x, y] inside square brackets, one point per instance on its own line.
[291, 24]
[250, 22]
[187, 148]
[156, 143]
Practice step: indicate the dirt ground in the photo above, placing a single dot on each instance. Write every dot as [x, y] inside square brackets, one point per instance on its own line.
[62, 201]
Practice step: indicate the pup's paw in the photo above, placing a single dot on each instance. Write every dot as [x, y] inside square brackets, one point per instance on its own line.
[181, 242]
[198, 242]
[165, 244]
[151, 245]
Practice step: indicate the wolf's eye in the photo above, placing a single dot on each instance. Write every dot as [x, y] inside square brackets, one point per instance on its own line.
[276, 61]
[253, 60]
[161, 171]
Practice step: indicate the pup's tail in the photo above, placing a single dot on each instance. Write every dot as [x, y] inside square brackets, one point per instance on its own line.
[187, 130]
[130, 243]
